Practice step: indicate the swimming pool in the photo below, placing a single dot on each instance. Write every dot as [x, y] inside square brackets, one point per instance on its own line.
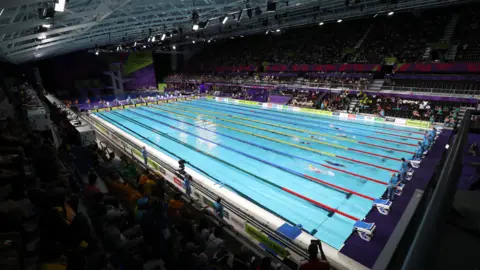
[299, 166]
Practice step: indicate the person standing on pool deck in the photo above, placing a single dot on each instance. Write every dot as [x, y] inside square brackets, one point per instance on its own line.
[218, 208]
[392, 187]
[433, 133]
[145, 155]
[187, 184]
[403, 170]
[426, 141]
[419, 152]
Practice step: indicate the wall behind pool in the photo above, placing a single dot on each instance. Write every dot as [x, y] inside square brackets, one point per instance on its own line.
[341, 115]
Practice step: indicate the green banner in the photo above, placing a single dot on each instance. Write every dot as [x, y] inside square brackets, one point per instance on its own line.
[162, 87]
[417, 123]
[315, 111]
[262, 238]
[136, 61]
[379, 119]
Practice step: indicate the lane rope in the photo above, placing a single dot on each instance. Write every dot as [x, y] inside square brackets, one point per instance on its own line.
[291, 123]
[288, 135]
[321, 205]
[254, 144]
[326, 153]
[313, 117]
[311, 178]
[352, 129]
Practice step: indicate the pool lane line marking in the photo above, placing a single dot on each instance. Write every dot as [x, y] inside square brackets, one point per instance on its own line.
[200, 170]
[254, 144]
[288, 128]
[297, 118]
[300, 114]
[284, 134]
[324, 153]
[302, 125]
[311, 178]
[295, 129]
[318, 204]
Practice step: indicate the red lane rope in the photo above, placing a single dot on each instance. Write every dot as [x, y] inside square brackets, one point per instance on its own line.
[357, 175]
[392, 141]
[400, 136]
[389, 148]
[401, 130]
[368, 153]
[322, 205]
[366, 163]
[338, 187]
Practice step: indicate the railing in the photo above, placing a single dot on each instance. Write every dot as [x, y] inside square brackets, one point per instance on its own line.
[432, 91]
[421, 254]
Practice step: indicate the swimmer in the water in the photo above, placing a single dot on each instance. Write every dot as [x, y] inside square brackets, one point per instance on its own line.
[317, 170]
[335, 164]
[342, 135]
[304, 142]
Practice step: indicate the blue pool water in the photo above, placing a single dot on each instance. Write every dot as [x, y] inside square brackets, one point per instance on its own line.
[285, 148]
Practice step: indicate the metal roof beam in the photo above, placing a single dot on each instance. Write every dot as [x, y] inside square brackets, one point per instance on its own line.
[93, 23]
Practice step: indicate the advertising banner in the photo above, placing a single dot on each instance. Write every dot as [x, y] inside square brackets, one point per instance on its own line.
[116, 108]
[335, 113]
[266, 241]
[390, 119]
[417, 123]
[379, 119]
[343, 115]
[400, 121]
[360, 117]
[128, 106]
[369, 118]
[351, 116]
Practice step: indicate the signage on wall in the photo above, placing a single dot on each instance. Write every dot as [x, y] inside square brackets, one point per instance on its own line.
[390, 119]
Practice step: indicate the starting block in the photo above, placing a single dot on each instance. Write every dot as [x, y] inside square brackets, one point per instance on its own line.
[383, 206]
[365, 230]
[399, 189]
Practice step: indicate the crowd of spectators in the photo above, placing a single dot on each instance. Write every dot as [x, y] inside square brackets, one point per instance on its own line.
[385, 105]
[466, 35]
[404, 37]
[459, 87]
[324, 45]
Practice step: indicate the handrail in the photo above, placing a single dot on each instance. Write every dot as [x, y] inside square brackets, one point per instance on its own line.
[420, 254]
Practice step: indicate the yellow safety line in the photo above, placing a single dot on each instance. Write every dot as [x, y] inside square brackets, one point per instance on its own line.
[256, 127]
[271, 124]
[272, 139]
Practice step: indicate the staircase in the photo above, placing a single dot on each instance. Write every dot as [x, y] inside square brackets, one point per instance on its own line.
[376, 85]
[352, 105]
[451, 53]
[427, 54]
[360, 41]
[450, 28]
[358, 44]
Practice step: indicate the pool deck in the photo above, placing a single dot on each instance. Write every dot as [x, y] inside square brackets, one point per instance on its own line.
[367, 253]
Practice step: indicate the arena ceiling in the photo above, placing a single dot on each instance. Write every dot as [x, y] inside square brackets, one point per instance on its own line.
[86, 24]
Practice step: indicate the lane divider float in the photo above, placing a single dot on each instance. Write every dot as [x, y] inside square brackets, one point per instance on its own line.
[293, 172]
[290, 135]
[295, 124]
[329, 209]
[326, 153]
[352, 129]
[319, 117]
[257, 145]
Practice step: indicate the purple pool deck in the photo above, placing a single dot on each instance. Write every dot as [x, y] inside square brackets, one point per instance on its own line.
[469, 173]
[367, 253]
